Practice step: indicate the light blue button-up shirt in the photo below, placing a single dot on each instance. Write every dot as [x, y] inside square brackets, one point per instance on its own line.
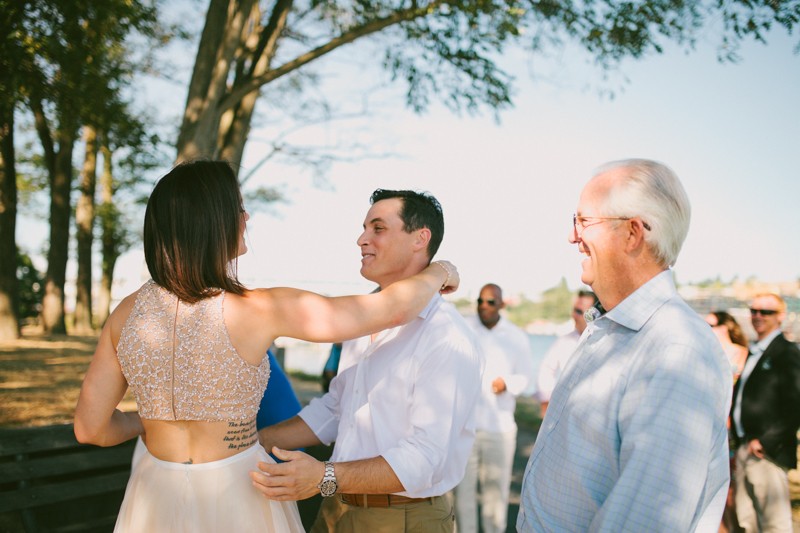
[634, 438]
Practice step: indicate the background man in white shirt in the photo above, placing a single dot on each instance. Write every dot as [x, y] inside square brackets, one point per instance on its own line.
[401, 408]
[557, 356]
[509, 369]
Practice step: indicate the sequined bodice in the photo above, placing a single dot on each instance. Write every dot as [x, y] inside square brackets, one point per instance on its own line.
[180, 363]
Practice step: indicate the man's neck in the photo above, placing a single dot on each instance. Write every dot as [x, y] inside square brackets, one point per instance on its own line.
[767, 334]
[412, 269]
[631, 284]
[491, 324]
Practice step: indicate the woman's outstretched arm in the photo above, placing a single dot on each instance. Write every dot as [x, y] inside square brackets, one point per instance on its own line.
[310, 316]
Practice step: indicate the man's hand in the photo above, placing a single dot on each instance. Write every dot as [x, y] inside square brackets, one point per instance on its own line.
[498, 385]
[295, 479]
[755, 448]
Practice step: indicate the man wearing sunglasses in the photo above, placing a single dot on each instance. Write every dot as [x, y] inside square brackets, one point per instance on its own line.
[508, 371]
[765, 418]
[559, 353]
[635, 436]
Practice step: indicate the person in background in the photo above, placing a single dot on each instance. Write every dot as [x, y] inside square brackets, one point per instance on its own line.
[734, 344]
[765, 417]
[635, 437]
[331, 366]
[559, 353]
[280, 401]
[401, 408]
[508, 369]
[731, 337]
[192, 342]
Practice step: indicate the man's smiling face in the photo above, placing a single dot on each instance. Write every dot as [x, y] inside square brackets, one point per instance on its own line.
[387, 249]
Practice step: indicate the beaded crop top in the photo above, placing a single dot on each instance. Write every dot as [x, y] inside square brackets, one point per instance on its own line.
[180, 363]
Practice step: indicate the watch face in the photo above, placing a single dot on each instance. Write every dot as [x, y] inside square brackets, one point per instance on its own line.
[327, 487]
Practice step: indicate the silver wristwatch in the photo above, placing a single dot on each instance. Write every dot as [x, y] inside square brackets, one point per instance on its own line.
[327, 487]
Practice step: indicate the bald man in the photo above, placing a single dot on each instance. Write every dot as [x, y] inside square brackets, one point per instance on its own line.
[508, 371]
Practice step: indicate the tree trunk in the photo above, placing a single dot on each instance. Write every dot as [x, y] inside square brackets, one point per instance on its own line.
[260, 44]
[9, 315]
[109, 239]
[57, 255]
[235, 128]
[84, 222]
[204, 131]
[218, 44]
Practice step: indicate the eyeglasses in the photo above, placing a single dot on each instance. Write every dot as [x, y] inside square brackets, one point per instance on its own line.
[490, 301]
[762, 312]
[580, 220]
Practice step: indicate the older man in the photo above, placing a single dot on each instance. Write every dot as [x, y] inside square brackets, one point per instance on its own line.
[635, 436]
[765, 418]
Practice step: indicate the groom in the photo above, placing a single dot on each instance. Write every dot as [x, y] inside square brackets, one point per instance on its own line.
[401, 407]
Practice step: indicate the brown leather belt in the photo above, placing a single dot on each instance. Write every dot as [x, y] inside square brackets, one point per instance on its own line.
[379, 500]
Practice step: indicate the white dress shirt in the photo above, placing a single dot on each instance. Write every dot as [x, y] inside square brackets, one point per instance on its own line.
[554, 362]
[408, 396]
[507, 354]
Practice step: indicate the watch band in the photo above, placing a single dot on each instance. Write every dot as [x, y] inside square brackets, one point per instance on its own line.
[327, 487]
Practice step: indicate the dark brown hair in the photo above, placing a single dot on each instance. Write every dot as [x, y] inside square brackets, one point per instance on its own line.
[734, 329]
[191, 230]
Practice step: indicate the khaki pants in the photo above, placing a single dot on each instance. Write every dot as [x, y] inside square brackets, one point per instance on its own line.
[424, 517]
[762, 494]
[489, 467]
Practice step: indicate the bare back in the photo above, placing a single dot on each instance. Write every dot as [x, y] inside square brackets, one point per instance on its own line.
[197, 394]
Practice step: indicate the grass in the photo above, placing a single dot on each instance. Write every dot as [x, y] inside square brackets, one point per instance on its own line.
[40, 379]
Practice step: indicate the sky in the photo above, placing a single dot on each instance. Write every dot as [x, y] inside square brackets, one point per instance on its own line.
[730, 131]
[508, 188]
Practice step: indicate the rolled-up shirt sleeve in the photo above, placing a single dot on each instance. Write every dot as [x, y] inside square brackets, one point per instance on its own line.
[322, 415]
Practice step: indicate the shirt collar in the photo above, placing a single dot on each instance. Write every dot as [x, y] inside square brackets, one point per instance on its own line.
[635, 310]
[766, 341]
[433, 304]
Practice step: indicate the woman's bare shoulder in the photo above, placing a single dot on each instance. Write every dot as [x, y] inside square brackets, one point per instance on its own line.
[118, 317]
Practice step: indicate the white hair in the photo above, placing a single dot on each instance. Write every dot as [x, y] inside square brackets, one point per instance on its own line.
[651, 191]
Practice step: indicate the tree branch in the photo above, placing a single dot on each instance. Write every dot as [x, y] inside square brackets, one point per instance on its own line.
[375, 26]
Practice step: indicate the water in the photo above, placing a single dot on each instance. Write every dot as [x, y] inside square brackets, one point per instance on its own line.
[539, 346]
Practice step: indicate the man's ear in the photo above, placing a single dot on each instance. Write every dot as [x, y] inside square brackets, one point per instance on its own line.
[636, 230]
[422, 240]
[636, 233]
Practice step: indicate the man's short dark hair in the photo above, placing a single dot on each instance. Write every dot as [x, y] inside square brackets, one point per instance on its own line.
[420, 210]
[584, 293]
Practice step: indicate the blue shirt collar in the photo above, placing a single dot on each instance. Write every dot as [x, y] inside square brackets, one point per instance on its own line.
[637, 308]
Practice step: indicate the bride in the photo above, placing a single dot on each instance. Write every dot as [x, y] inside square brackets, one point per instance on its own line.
[191, 345]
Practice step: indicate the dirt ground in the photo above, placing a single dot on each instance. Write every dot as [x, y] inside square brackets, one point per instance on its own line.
[40, 379]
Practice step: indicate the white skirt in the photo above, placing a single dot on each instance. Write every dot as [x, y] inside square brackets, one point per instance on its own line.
[207, 497]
